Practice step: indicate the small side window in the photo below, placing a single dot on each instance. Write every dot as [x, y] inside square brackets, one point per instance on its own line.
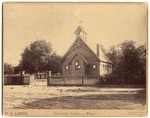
[67, 67]
[94, 66]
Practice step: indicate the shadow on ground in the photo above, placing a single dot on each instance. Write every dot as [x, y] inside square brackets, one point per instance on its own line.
[102, 101]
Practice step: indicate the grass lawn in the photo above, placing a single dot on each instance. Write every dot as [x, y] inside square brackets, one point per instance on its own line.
[43, 97]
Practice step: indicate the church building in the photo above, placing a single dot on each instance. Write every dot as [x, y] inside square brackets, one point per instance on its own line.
[81, 61]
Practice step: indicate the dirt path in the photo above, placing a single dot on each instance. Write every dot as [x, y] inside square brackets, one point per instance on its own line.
[39, 96]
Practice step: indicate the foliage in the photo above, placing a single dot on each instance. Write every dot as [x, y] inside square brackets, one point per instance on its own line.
[129, 62]
[113, 55]
[8, 68]
[39, 57]
[54, 63]
[17, 69]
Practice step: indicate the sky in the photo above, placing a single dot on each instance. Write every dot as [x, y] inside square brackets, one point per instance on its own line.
[105, 23]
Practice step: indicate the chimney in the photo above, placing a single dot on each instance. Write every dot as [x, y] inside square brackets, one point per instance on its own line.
[97, 48]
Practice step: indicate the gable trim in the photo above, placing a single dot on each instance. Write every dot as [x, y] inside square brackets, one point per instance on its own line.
[70, 48]
[87, 47]
[80, 57]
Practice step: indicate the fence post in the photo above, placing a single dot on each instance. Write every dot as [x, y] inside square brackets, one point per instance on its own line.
[21, 77]
[49, 78]
[22, 73]
[64, 80]
[82, 80]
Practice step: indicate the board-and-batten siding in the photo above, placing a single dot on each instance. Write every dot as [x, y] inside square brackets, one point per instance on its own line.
[88, 55]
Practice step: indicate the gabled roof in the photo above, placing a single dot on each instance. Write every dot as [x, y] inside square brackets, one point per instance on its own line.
[75, 45]
[80, 43]
[80, 55]
[102, 56]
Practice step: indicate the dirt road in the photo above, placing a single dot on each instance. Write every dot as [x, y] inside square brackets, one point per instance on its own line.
[39, 96]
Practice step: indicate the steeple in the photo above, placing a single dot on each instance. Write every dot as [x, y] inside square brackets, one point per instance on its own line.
[79, 32]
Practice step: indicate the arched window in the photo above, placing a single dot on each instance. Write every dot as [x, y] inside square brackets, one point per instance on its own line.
[77, 65]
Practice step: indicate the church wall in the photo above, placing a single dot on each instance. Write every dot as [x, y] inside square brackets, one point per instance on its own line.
[105, 68]
[72, 71]
[90, 57]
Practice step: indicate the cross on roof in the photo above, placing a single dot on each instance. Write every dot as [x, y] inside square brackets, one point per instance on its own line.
[80, 22]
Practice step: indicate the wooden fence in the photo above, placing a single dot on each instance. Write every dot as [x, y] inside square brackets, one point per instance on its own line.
[18, 79]
[111, 80]
[72, 81]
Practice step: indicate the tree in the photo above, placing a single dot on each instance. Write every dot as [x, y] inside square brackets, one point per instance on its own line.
[8, 68]
[54, 63]
[34, 57]
[142, 57]
[113, 55]
[129, 62]
[39, 56]
[17, 69]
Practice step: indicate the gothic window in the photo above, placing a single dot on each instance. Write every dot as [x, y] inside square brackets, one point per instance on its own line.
[77, 65]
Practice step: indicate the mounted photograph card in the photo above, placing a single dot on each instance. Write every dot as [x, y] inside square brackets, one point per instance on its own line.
[75, 59]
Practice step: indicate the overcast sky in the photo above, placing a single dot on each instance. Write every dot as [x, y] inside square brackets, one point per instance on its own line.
[106, 23]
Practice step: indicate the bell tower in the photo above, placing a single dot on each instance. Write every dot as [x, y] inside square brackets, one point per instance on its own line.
[80, 32]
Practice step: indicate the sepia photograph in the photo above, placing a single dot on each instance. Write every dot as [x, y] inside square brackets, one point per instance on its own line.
[75, 59]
